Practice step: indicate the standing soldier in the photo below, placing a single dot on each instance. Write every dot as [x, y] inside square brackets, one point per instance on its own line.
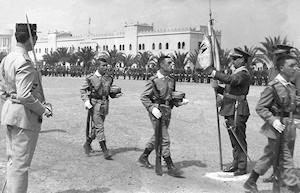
[235, 107]
[276, 103]
[23, 108]
[159, 93]
[95, 93]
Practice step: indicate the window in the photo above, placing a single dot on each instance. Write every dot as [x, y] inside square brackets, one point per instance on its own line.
[123, 47]
[106, 47]
[97, 48]
[130, 47]
[36, 50]
[40, 50]
[120, 47]
[167, 46]
[159, 46]
[153, 46]
[143, 46]
[183, 45]
[179, 45]
[114, 47]
[140, 46]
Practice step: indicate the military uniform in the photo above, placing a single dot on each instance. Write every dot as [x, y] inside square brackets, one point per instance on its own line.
[158, 90]
[96, 88]
[22, 111]
[276, 103]
[235, 93]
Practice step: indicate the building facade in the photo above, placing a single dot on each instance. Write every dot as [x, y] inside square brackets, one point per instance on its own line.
[135, 38]
[6, 40]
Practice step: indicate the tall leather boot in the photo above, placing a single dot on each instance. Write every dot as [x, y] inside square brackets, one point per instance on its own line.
[250, 184]
[172, 170]
[87, 146]
[143, 159]
[107, 154]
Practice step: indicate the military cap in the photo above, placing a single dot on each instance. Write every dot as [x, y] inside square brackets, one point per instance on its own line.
[282, 49]
[102, 60]
[114, 90]
[238, 53]
[23, 28]
[178, 96]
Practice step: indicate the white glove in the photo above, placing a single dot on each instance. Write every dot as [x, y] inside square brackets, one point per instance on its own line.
[47, 112]
[214, 84]
[278, 125]
[184, 102]
[213, 73]
[118, 95]
[156, 112]
[88, 104]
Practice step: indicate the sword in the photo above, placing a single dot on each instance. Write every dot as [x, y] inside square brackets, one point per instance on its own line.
[4, 186]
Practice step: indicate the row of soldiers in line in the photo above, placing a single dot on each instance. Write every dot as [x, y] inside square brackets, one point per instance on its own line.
[259, 78]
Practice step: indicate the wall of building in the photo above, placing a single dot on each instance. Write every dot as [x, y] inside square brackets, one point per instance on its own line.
[6, 40]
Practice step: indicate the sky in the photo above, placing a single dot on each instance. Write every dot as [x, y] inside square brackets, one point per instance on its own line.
[242, 22]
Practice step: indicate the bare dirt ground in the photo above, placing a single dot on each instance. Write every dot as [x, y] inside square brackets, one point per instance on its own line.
[60, 166]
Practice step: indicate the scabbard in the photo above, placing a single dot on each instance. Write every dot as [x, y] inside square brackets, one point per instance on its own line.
[88, 124]
[158, 146]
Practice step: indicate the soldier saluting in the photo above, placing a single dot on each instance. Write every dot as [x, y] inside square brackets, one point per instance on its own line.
[95, 93]
[234, 107]
[157, 99]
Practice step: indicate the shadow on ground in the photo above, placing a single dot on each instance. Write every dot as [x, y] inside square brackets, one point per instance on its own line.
[185, 164]
[116, 151]
[53, 130]
[97, 190]
[250, 165]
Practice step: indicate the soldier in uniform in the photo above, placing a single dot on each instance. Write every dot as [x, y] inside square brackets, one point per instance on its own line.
[276, 102]
[95, 93]
[23, 108]
[235, 107]
[159, 91]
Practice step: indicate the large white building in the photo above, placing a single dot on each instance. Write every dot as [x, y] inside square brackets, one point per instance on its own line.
[6, 39]
[135, 38]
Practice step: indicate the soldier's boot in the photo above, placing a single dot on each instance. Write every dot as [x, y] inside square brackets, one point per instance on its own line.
[106, 152]
[143, 159]
[87, 146]
[250, 184]
[172, 170]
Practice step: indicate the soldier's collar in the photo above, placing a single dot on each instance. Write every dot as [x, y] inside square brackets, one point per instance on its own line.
[98, 74]
[282, 80]
[21, 49]
[160, 75]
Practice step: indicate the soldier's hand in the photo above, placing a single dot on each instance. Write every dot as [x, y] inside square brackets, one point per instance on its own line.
[278, 125]
[88, 104]
[214, 84]
[118, 95]
[156, 112]
[48, 106]
[47, 113]
[184, 102]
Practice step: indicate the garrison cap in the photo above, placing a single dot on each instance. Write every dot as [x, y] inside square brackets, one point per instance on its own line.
[23, 28]
[102, 60]
[238, 53]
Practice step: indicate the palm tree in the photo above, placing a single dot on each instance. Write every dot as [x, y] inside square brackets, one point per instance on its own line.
[193, 57]
[50, 58]
[268, 48]
[180, 59]
[2, 55]
[224, 58]
[86, 55]
[128, 60]
[144, 59]
[113, 57]
[63, 54]
[73, 58]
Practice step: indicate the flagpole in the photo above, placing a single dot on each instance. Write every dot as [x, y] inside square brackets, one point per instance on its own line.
[216, 93]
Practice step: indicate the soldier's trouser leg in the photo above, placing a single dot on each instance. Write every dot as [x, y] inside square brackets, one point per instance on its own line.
[265, 162]
[98, 124]
[21, 145]
[239, 157]
[165, 137]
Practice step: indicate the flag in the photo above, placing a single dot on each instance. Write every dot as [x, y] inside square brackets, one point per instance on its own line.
[204, 57]
[215, 51]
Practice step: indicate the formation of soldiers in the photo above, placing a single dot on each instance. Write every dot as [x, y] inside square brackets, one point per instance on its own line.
[258, 77]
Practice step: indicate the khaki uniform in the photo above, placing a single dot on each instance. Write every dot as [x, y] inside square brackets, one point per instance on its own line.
[96, 89]
[22, 97]
[159, 91]
[236, 91]
[268, 108]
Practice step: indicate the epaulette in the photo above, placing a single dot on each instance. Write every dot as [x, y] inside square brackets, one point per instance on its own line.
[153, 77]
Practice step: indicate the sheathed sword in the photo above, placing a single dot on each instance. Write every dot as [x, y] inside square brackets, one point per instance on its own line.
[158, 145]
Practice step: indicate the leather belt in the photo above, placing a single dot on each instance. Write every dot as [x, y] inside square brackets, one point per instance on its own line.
[235, 97]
